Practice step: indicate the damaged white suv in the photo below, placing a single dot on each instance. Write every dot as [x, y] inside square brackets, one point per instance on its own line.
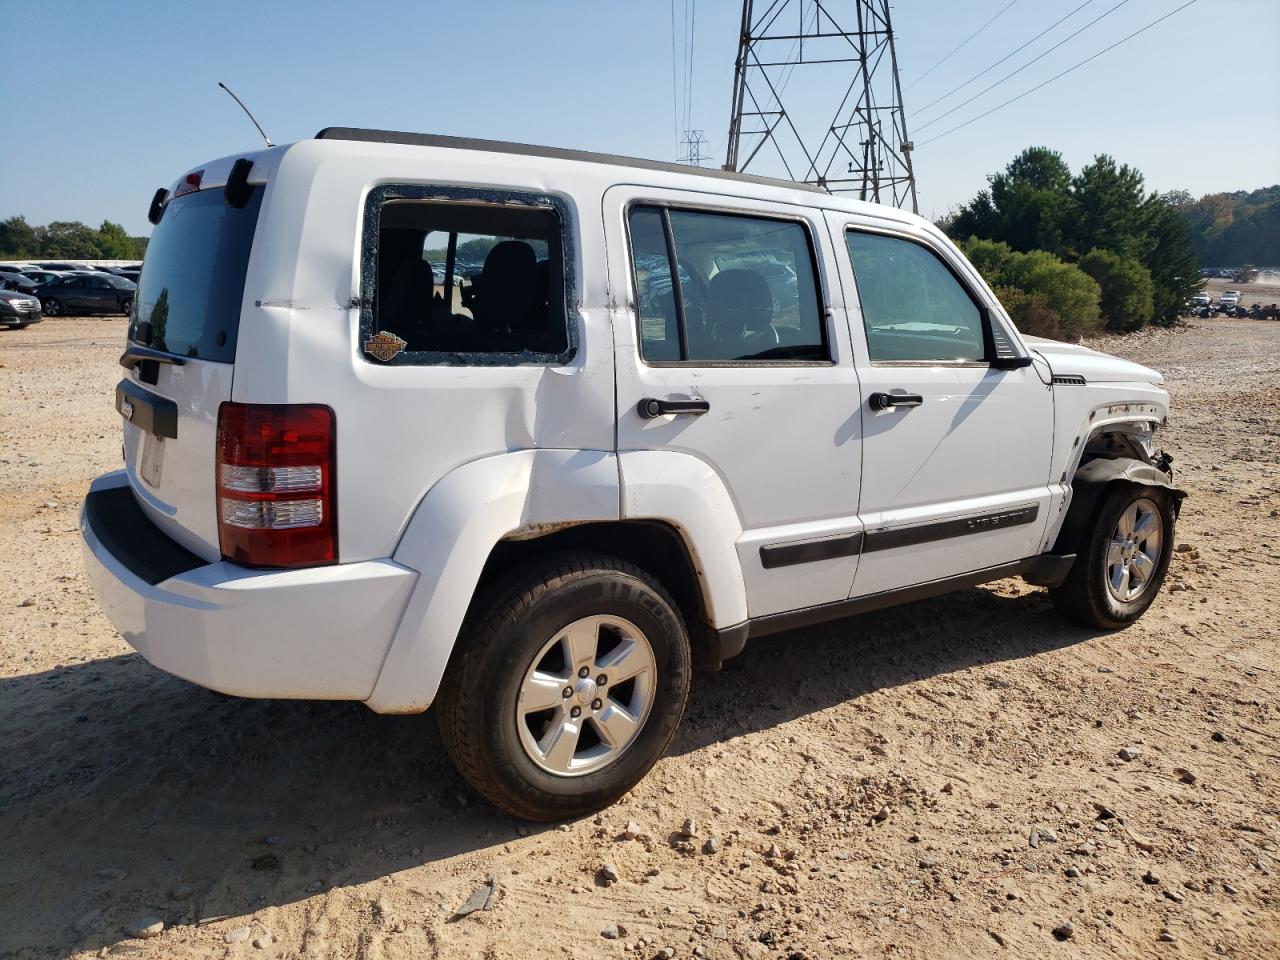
[528, 433]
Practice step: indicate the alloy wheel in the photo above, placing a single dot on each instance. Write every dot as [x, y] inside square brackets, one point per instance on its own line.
[1134, 551]
[586, 695]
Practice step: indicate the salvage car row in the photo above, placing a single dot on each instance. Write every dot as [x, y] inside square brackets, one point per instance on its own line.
[28, 292]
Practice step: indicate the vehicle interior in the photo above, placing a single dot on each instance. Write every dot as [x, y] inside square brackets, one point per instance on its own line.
[471, 278]
[747, 287]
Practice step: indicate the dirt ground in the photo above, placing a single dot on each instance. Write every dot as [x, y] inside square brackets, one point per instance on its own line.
[939, 780]
[1263, 291]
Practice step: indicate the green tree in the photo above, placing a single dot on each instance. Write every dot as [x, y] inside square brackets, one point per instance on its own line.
[1068, 290]
[70, 240]
[1126, 302]
[1027, 206]
[1175, 269]
[1109, 214]
[1042, 294]
[18, 239]
[114, 242]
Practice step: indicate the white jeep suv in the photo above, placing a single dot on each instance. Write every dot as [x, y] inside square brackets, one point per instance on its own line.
[527, 433]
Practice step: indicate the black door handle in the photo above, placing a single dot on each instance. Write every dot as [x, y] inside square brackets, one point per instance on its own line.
[650, 407]
[884, 401]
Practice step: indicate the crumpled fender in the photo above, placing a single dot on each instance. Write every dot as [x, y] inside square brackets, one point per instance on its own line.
[1090, 483]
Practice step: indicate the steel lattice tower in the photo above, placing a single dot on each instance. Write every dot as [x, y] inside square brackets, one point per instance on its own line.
[865, 148]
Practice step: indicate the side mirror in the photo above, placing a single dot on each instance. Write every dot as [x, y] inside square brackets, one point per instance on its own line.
[1010, 363]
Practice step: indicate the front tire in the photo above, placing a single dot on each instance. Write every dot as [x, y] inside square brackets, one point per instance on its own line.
[569, 681]
[51, 307]
[126, 306]
[1123, 558]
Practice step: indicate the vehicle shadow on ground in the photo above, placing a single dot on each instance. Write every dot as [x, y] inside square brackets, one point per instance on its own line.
[123, 786]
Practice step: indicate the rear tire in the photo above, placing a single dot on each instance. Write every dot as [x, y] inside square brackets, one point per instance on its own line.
[126, 306]
[524, 640]
[1122, 560]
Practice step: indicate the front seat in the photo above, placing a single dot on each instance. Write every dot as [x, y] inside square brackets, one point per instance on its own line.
[740, 311]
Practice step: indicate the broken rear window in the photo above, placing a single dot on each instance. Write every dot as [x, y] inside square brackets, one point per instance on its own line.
[465, 282]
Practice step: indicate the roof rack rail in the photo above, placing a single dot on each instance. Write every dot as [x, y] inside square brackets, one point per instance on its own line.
[556, 153]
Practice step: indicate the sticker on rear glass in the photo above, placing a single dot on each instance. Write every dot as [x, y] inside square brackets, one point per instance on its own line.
[384, 346]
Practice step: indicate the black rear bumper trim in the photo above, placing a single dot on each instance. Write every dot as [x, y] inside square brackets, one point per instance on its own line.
[125, 532]
[156, 415]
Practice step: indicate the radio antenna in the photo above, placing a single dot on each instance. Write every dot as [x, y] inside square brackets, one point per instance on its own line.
[247, 113]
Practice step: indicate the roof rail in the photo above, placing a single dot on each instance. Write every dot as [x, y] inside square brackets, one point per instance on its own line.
[556, 153]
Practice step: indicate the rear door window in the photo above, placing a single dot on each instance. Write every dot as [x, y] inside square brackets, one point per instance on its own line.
[192, 283]
[744, 288]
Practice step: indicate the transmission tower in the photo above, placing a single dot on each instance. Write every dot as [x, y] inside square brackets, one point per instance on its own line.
[693, 144]
[864, 148]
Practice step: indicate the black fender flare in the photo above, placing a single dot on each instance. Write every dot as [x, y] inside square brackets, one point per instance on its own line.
[1091, 481]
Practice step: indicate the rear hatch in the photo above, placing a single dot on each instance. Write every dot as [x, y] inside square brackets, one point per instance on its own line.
[181, 356]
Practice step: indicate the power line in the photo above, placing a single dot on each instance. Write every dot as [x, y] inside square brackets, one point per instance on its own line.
[1060, 75]
[675, 96]
[1007, 56]
[693, 36]
[961, 44]
[1009, 76]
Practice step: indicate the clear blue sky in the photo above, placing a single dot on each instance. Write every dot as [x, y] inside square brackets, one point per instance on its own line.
[107, 101]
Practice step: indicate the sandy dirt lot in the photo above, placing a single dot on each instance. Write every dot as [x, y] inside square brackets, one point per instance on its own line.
[1263, 291]
[938, 780]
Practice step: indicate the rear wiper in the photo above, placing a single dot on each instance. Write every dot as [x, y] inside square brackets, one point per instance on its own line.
[134, 354]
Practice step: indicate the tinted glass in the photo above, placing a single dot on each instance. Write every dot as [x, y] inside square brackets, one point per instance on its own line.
[462, 278]
[913, 307]
[748, 288]
[192, 282]
[656, 301]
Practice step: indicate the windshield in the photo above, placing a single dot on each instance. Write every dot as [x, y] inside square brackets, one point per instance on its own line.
[192, 279]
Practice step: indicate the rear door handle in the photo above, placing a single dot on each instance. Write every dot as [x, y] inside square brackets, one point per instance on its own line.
[650, 407]
[885, 401]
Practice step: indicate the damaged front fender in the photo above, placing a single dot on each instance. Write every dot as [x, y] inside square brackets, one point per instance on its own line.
[1091, 482]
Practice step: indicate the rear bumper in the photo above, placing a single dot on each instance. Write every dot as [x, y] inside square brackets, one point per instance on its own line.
[319, 633]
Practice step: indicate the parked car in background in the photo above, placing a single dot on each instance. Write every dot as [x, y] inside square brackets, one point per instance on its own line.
[1229, 298]
[40, 277]
[87, 293]
[61, 266]
[16, 267]
[18, 309]
[17, 281]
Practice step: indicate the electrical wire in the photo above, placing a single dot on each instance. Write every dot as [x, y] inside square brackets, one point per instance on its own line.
[675, 95]
[1014, 73]
[1006, 57]
[957, 48]
[1060, 75]
[693, 33]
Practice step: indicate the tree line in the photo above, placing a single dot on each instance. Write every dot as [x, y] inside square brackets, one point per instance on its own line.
[1234, 229]
[67, 240]
[1073, 254]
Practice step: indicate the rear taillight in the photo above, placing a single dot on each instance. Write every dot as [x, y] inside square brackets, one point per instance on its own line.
[277, 502]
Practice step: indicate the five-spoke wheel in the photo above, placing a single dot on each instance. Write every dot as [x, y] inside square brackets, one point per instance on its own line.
[567, 685]
[1122, 557]
[586, 695]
